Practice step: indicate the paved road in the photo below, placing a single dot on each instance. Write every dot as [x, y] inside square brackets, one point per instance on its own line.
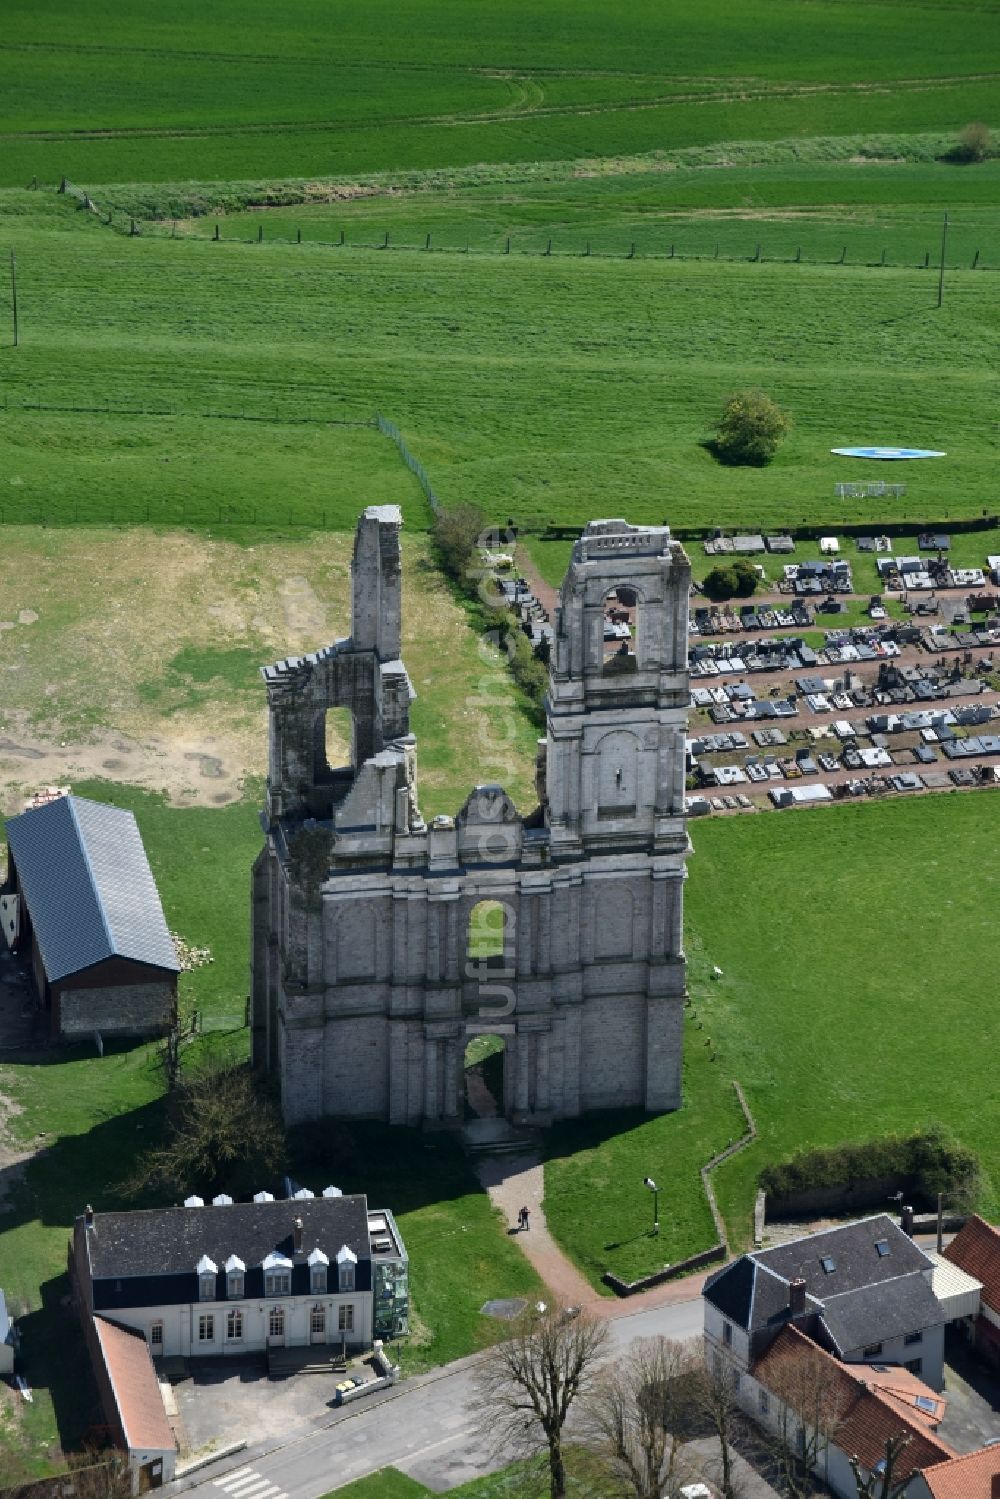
[429, 1427]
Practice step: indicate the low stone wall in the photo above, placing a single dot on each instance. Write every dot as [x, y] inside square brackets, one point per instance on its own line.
[344, 1397]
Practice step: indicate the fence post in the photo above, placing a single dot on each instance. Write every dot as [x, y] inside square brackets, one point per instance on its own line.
[798, 254]
[927, 259]
[298, 236]
[975, 260]
[216, 234]
[883, 257]
[427, 243]
[506, 248]
[843, 255]
[260, 234]
[716, 255]
[385, 242]
[671, 252]
[341, 236]
[631, 252]
[756, 253]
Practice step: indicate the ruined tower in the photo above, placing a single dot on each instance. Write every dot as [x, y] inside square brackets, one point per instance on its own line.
[367, 977]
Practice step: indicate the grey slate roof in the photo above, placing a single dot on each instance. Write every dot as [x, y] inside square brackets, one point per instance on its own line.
[88, 887]
[171, 1241]
[751, 1295]
[852, 1248]
[876, 1314]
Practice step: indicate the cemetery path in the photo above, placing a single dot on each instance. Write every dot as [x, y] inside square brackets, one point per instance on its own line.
[516, 1181]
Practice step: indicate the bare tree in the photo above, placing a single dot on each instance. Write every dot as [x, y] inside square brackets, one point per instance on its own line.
[714, 1388]
[883, 1485]
[530, 1380]
[808, 1390]
[637, 1413]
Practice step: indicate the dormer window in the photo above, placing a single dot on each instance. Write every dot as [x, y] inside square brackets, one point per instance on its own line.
[206, 1270]
[235, 1271]
[319, 1267]
[347, 1262]
[277, 1275]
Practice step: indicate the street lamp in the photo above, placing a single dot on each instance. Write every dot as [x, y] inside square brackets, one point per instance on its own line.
[648, 1181]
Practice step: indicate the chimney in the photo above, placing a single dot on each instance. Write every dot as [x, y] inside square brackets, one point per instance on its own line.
[298, 1235]
[906, 1220]
[797, 1297]
[88, 1216]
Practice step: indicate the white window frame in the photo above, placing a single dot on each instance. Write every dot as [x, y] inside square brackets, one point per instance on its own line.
[345, 1317]
[206, 1327]
[278, 1282]
[317, 1279]
[206, 1286]
[345, 1276]
[156, 1335]
[317, 1320]
[276, 1322]
[234, 1284]
[234, 1325]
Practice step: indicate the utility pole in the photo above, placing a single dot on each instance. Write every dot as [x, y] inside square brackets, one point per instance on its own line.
[944, 241]
[13, 292]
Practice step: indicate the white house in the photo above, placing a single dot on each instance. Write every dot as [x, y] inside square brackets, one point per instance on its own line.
[236, 1278]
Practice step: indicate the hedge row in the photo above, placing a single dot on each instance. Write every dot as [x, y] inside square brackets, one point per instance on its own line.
[932, 1160]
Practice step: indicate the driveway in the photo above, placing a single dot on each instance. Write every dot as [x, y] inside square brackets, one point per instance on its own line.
[973, 1394]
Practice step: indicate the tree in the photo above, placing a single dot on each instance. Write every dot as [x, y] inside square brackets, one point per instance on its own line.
[731, 579]
[881, 1484]
[530, 1380]
[217, 1120]
[750, 428]
[713, 1391]
[457, 532]
[637, 1414]
[975, 143]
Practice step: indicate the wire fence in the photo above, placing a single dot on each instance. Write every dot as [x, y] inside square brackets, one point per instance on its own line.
[416, 468]
[754, 253]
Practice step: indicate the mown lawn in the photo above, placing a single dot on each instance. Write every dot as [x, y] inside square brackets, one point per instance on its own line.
[541, 388]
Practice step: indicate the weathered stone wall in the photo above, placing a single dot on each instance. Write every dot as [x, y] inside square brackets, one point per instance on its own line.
[365, 989]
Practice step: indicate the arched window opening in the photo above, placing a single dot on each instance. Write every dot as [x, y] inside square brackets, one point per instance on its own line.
[483, 1073]
[338, 739]
[488, 925]
[621, 631]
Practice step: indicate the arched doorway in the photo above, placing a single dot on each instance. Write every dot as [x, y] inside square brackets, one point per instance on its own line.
[621, 631]
[484, 1077]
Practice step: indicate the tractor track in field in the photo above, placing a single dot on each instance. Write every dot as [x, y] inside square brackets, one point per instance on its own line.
[528, 102]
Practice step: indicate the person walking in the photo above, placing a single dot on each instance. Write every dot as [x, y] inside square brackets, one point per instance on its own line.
[523, 1219]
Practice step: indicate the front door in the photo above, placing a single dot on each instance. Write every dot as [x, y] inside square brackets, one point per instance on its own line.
[317, 1325]
[276, 1326]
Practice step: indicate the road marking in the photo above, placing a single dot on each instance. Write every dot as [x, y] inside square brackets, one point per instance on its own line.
[247, 1483]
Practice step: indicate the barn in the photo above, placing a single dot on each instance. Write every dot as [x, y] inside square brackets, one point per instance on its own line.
[81, 904]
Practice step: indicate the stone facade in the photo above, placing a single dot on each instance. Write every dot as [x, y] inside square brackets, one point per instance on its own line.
[367, 978]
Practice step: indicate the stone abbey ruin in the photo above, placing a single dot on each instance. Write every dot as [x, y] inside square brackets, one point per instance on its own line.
[368, 975]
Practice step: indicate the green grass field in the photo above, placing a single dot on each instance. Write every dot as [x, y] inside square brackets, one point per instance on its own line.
[112, 94]
[853, 944]
[543, 388]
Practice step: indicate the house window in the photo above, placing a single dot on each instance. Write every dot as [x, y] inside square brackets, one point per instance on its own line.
[764, 1401]
[317, 1280]
[234, 1327]
[727, 1334]
[346, 1277]
[276, 1322]
[913, 1337]
[206, 1287]
[345, 1319]
[156, 1337]
[872, 1351]
[278, 1283]
[234, 1285]
[317, 1320]
[206, 1328]
[915, 1365]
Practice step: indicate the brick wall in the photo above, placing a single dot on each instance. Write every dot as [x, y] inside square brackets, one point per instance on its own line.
[120, 1010]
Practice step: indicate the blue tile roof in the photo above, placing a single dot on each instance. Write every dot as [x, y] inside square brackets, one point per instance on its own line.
[88, 887]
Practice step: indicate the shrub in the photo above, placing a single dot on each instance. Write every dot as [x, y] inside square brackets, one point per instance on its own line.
[932, 1159]
[456, 534]
[750, 428]
[975, 143]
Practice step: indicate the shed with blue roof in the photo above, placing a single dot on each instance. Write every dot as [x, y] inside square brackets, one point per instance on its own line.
[86, 910]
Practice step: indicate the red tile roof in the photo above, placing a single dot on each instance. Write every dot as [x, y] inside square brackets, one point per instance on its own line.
[135, 1386]
[862, 1419]
[902, 1390]
[974, 1476]
[976, 1250]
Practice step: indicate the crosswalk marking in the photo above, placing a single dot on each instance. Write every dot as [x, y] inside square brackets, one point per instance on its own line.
[247, 1483]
